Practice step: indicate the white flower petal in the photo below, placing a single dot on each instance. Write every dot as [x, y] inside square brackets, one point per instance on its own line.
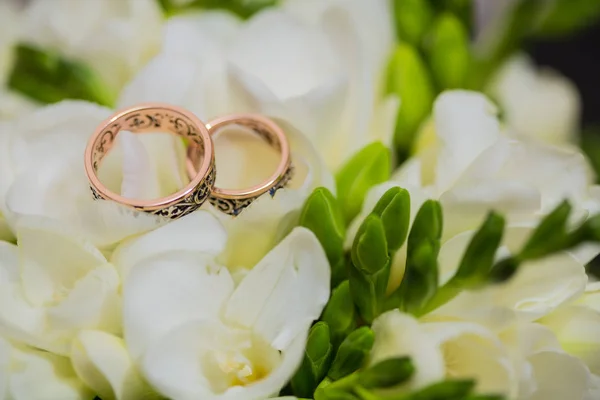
[199, 231]
[52, 258]
[560, 376]
[578, 330]
[285, 291]
[93, 303]
[466, 124]
[398, 334]
[168, 290]
[539, 104]
[139, 176]
[44, 376]
[173, 366]
[102, 362]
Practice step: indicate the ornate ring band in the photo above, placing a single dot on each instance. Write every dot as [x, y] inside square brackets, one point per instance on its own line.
[232, 201]
[156, 117]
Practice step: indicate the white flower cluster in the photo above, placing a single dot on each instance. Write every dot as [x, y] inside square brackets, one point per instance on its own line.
[97, 299]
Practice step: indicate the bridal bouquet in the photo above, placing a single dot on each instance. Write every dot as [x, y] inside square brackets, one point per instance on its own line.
[432, 243]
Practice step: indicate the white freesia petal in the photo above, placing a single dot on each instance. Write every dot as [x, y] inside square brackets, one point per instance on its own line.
[285, 291]
[52, 258]
[297, 47]
[398, 334]
[200, 360]
[168, 290]
[591, 296]
[561, 376]
[539, 104]
[473, 352]
[18, 319]
[40, 375]
[199, 231]
[578, 330]
[102, 362]
[466, 124]
[93, 302]
[139, 176]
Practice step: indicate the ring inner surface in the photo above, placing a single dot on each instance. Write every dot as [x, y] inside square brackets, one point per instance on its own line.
[149, 120]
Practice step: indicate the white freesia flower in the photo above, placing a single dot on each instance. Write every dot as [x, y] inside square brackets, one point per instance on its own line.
[324, 81]
[193, 333]
[54, 284]
[27, 373]
[115, 38]
[446, 349]
[540, 104]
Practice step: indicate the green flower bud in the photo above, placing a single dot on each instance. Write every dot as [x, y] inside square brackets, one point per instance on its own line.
[562, 17]
[394, 210]
[387, 373]
[413, 18]
[549, 236]
[352, 353]
[448, 52]
[316, 362]
[367, 168]
[370, 250]
[49, 78]
[408, 78]
[243, 8]
[420, 280]
[504, 269]
[339, 313]
[368, 292]
[476, 263]
[448, 390]
[323, 216]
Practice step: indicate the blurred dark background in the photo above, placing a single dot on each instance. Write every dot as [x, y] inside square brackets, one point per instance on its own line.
[578, 58]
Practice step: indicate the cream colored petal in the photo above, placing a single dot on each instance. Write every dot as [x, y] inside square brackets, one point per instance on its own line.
[199, 231]
[471, 351]
[466, 124]
[540, 104]
[284, 292]
[101, 361]
[578, 330]
[168, 290]
[44, 376]
[560, 376]
[52, 258]
[173, 366]
[397, 335]
[93, 303]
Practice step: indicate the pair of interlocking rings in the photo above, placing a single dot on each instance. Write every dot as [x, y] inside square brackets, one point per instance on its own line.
[200, 160]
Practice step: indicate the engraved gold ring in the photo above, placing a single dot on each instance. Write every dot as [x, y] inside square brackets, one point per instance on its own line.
[233, 201]
[156, 117]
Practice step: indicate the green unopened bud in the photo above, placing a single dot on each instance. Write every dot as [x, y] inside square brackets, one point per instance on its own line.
[243, 8]
[49, 78]
[323, 216]
[448, 52]
[339, 313]
[368, 292]
[562, 17]
[333, 394]
[370, 250]
[367, 168]
[316, 362]
[504, 269]
[409, 79]
[394, 210]
[448, 390]
[428, 223]
[550, 234]
[476, 263]
[387, 373]
[413, 18]
[352, 353]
